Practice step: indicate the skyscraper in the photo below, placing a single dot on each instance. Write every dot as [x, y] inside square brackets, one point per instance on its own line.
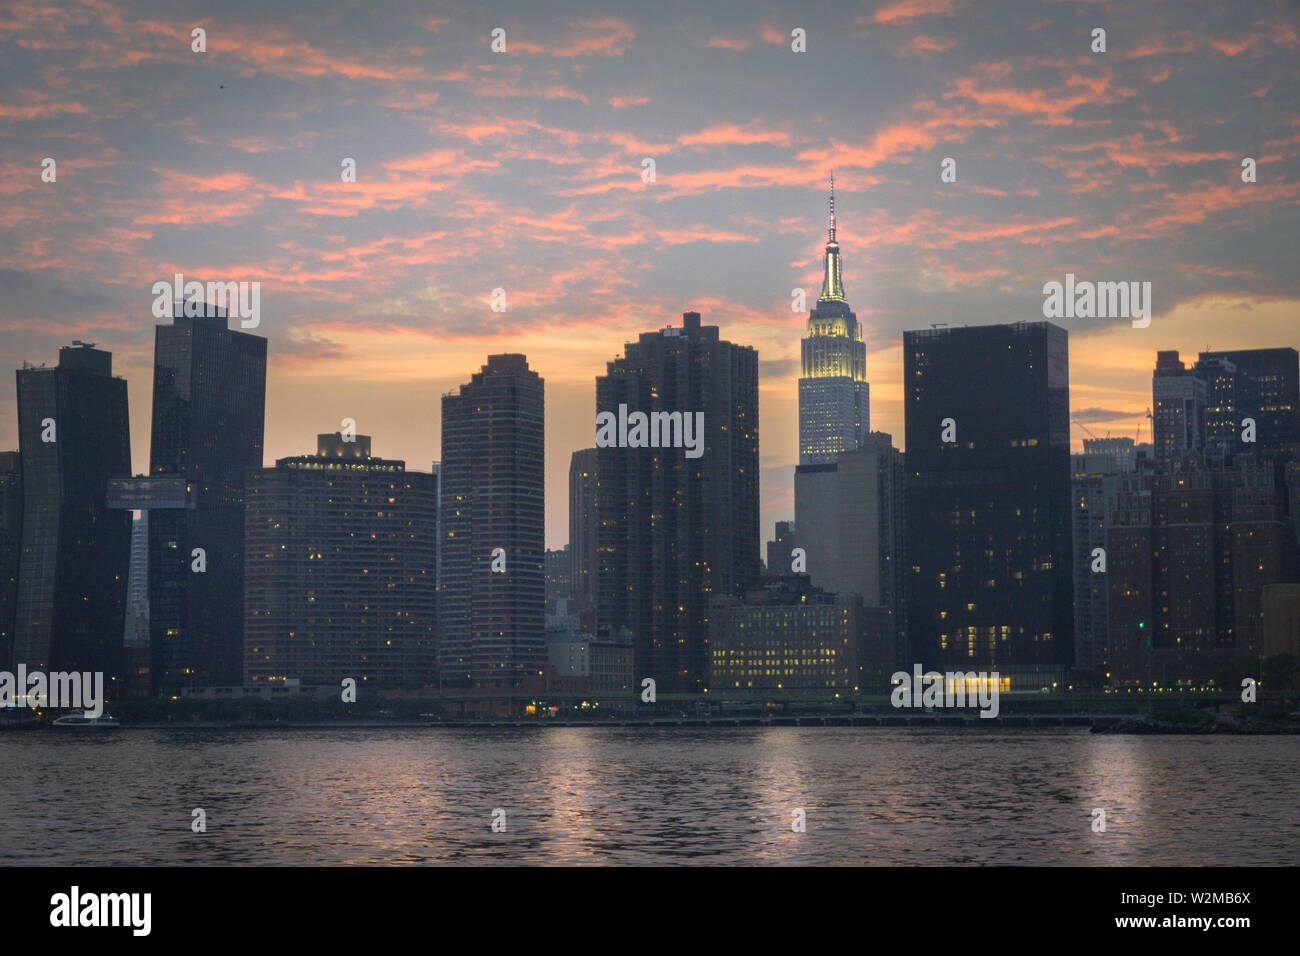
[1263, 384]
[492, 587]
[678, 529]
[1091, 502]
[850, 516]
[340, 565]
[74, 436]
[1179, 405]
[11, 533]
[988, 500]
[583, 526]
[834, 406]
[136, 632]
[1190, 553]
[849, 513]
[209, 399]
[780, 550]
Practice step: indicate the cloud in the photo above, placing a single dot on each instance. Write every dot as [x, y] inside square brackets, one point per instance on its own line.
[899, 11]
[1089, 415]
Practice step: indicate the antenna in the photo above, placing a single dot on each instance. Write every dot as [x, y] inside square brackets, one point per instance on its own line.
[832, 230]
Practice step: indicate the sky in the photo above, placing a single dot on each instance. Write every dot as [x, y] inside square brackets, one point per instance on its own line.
[523, 170]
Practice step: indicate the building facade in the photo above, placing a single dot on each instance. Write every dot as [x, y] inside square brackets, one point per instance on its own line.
[989, 580]
[1102, 458]
[788, 638]
[209, 401]
[678, 531]
[1180, 403]
[834, 398]
[584, 525]
[1190, 552]
[491, 630]
[780, 550]
[1260, 384]
[74, 435]
[340, 570]
[11, 533]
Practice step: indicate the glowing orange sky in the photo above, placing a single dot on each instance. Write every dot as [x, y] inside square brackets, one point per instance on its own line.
[523, 170]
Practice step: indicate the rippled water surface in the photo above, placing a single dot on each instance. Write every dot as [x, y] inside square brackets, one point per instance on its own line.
[610, 795]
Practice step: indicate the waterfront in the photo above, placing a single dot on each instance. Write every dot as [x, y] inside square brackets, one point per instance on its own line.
[607, 795]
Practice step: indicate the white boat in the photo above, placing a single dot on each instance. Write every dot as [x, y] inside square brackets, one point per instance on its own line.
[83, 722]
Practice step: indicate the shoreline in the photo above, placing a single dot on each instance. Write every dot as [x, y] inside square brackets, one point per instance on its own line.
[1107, 724]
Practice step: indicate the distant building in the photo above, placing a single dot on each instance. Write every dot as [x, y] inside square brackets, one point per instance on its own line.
[136, 633]
[1101, 458]
[11, 532]
[678, 531]
[74, 435]
[341, 579]
[1118, 455]
[1179, 397]
[850, 515]
[584, 527]
[583, 664]
[989, 542]
[559, 569]
[209, 402]
[834, 402]
[1263, 384]
[779, 550]
[788, 637]
[292, 689]
[1189, 554]
[491, 630]
[1282, 620]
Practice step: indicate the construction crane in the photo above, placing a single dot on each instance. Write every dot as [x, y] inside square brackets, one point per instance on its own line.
[1090, 432]
[1138, 439]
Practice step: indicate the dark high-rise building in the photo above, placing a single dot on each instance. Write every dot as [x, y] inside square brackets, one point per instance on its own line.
[834, 405]
[11, 528]
[678, 527]
[780, 550]
[559, 571]
[850, 516]
[1179, 408]
[209, 399]
[1263, 384]
[1102, 459]
[340, 570]
[491, 630]
[74, 436]
[988, 512]
[1190, 552]
[136, 633]
[583, 526]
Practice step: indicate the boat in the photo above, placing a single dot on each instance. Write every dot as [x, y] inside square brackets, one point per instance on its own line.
[84, 722]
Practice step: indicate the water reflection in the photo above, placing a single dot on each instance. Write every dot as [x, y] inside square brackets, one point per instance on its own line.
[595, 796]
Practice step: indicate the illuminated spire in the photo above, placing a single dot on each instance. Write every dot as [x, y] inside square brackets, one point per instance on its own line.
[831, 235]
[833, 283]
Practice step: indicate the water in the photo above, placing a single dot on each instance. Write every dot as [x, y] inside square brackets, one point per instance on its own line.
[642, 796]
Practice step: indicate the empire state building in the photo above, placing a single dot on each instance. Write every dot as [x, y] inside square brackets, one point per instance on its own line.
[834, 410]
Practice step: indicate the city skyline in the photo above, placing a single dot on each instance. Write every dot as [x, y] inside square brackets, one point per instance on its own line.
[523, 170]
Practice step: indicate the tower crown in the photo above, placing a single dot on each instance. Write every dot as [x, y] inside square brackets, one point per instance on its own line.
[833, 279]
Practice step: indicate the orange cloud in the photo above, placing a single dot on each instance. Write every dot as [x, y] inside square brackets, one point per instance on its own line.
[902, 10]
[606, 36]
